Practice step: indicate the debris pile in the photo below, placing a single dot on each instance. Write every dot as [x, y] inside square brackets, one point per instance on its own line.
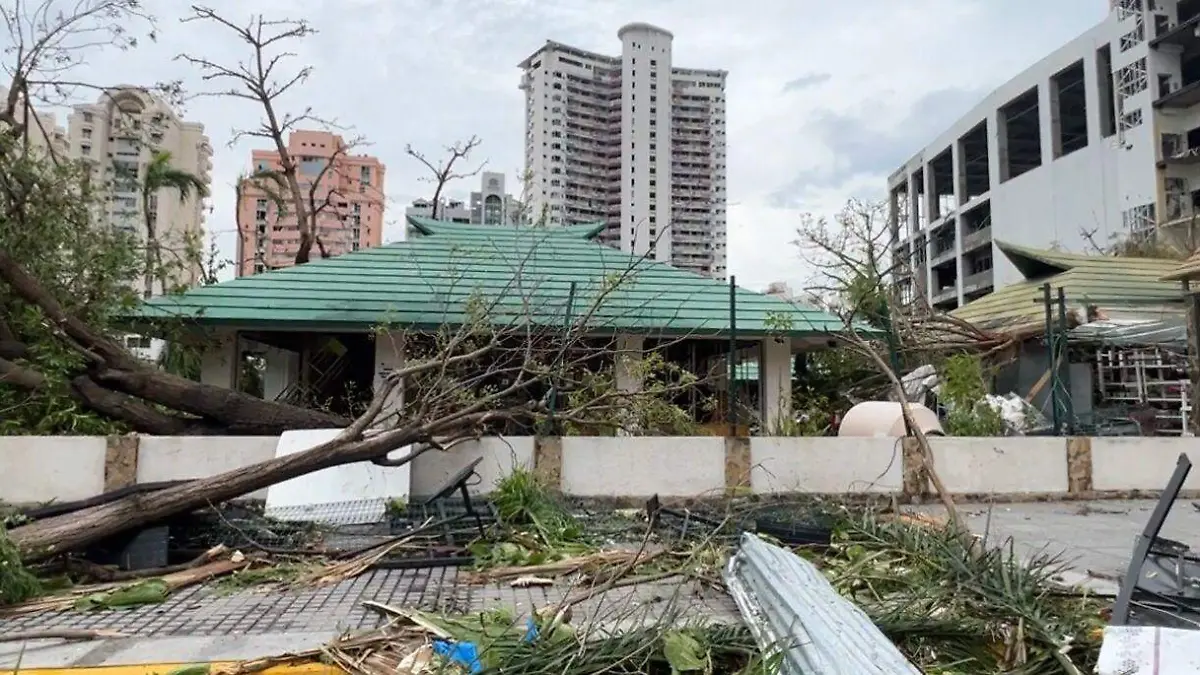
[917, 587]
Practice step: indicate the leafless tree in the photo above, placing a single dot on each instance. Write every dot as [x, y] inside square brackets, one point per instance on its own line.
[445, 172]
[262, 78]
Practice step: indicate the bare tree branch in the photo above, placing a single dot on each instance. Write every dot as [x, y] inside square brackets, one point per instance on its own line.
[443, 173]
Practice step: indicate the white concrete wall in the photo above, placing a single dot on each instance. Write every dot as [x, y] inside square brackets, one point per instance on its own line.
[825, 465]
[41, 468]
[1141, 463]
[162, 458]
[431, 470]
[643, 466]
[1001, 465]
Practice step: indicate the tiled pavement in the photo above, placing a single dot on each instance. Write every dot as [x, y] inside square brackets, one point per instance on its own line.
[1094, 536]
[338, 608]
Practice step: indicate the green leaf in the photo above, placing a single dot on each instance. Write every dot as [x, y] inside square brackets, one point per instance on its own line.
[685, 654]
[146, 592]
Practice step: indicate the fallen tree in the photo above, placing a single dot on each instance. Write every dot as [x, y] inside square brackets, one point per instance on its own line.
[510, 356]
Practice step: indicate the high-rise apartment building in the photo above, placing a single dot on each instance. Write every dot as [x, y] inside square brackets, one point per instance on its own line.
[631, 140]
[491, 205]
[349, 201]
[1098, 141]
[118, 135]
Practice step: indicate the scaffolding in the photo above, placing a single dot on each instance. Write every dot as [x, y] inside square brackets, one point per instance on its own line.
[1149, 378]
[1132, 80]
[1127, 9]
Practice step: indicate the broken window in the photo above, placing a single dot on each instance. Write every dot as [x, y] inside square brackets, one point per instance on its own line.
[941, 174]
[1068, 110]
[1021, 137]
[973, 162]
[918, 185]
[977, 225]
[1108, 104]
[899, 212]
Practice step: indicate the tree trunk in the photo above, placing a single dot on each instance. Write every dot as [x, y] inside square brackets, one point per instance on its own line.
[151, 245]
[72, 531]
[239, 412]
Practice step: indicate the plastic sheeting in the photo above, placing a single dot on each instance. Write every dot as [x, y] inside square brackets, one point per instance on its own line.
[358, 483]
[790, 607]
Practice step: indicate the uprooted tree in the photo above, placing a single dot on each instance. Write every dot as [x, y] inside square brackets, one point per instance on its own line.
[65, 281]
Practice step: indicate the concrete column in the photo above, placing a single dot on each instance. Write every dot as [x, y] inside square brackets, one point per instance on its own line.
[627, 374]
[283, 370]
[218, 363]
[627, 362]
[775, 382]
[914, 223]
[389, 355]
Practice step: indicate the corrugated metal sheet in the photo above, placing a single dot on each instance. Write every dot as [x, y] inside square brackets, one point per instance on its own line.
[790, 606]
[1109, 282]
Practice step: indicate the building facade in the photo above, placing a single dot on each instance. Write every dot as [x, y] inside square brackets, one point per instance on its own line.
[348, 199]
[118, 135]
[631, 140]
[1097, 142]
[42, 131]
[491, 205]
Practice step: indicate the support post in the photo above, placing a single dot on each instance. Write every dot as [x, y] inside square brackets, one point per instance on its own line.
[775, 382]
[731, 410]
[219, 361]
[389, 354]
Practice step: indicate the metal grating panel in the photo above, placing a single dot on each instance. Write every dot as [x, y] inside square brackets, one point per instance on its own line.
[359, 512]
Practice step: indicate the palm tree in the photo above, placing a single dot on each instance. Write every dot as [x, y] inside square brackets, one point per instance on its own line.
[159, 175]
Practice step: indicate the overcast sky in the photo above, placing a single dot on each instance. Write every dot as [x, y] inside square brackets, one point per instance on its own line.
[824, 98]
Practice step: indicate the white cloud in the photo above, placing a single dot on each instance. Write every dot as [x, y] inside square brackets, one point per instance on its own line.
[429, 72]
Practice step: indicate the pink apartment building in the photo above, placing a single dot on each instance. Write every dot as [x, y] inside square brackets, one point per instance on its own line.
[351, 186]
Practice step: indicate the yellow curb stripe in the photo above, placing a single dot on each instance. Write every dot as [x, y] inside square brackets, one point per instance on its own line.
[166, 668]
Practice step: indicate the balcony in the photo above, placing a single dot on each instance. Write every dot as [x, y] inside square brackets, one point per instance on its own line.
[1183, 97]
[977, 239]
[945, 294]
[943, 251]
[979, 281]
[1179, 35]
[1175, 151]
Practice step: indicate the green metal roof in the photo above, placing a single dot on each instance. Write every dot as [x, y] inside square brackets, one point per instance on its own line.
[1108, 282]
[516, 272]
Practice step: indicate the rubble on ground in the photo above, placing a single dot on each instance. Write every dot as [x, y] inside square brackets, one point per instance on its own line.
[941, 599]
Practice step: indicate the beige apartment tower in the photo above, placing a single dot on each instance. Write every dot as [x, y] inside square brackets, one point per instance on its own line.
[118, 135]
[631, 140]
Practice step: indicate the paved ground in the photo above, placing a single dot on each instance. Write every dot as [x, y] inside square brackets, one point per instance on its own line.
[1097, 536]
[202, 625]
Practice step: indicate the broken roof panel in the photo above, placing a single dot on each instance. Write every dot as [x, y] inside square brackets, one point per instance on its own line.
[1111, 284]
[516, 272]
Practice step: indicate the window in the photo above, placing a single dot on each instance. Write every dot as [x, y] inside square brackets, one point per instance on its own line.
[87, 133]
[87, 117]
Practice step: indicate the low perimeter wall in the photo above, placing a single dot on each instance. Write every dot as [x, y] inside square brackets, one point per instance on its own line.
[38, 469]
